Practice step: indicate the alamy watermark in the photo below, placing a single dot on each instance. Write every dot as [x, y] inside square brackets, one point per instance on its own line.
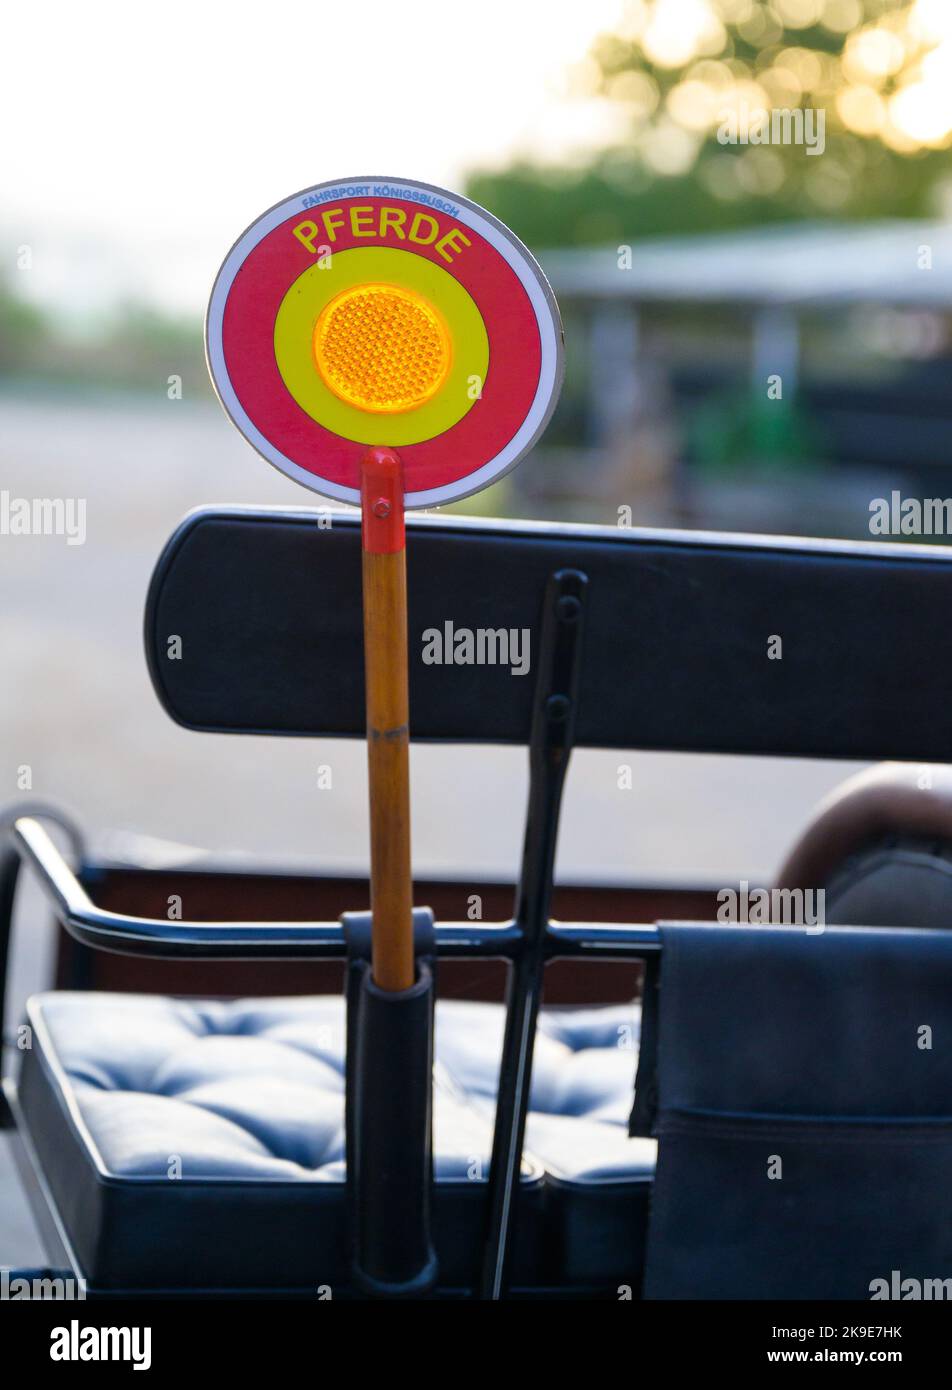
[76, 1343]
[43, 516]
[481, 646]
[799, 125]
[910, 1290]
[17, 1287]
[910, 516]
[773, 907]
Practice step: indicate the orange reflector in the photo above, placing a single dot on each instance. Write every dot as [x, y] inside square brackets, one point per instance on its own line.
[382, 348]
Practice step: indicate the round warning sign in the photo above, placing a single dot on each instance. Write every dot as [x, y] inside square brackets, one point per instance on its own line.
[385, 312]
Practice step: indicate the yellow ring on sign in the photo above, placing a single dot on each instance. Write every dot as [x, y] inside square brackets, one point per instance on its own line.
[361, 268]
[382, 348]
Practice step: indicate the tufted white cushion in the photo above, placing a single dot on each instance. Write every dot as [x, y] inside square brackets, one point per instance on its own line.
[174, 1098]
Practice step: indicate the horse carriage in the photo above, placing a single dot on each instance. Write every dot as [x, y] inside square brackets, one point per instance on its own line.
[326, 1100]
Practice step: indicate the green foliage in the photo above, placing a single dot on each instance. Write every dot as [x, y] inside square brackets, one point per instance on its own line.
[23, 332]
[735, 433]
[683, 96]
[594, 207]
[139, 348]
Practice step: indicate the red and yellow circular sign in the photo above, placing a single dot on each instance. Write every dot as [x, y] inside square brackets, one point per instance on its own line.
[388, 312]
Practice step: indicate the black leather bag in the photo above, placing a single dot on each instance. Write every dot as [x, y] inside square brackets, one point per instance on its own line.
[805, 1120]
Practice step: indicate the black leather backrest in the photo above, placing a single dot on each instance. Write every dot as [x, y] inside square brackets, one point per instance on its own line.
[893, 882]
[677, 641]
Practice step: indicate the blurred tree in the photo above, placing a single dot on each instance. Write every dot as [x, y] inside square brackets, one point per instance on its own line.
[23, 332]
[138, 347]
[144, 347]
[709, 93]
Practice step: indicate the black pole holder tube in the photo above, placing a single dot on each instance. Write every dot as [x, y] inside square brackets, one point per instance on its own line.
[553, 732]
[389, 1117]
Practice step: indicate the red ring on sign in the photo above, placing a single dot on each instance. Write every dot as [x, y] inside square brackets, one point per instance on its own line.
[507, 393]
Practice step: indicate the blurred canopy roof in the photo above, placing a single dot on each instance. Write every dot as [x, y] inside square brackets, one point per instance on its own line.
[796, 264]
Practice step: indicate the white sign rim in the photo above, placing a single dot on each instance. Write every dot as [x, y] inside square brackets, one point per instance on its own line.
[519, 258]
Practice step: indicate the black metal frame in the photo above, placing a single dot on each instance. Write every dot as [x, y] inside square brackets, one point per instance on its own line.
[550, 746]
[527, 942]
[174, 940]
[527, 956]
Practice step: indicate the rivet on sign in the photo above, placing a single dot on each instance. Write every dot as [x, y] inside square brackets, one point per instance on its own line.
[381, 507]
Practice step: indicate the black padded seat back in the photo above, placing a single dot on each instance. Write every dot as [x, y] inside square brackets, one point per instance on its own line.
[880, 847]
[805, 1113]
[896, 882]
[694, 642]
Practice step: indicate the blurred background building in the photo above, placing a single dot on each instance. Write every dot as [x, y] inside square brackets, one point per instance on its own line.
[744, 208]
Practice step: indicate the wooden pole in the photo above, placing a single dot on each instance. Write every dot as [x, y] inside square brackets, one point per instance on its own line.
[388, 716]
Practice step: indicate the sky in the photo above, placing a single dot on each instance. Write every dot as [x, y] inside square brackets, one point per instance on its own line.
[140, 140]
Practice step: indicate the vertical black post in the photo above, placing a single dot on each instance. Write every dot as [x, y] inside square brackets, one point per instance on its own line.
[388, 1116]
[553, 729]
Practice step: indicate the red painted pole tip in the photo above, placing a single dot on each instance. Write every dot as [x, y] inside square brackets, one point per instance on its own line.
[381, 501]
